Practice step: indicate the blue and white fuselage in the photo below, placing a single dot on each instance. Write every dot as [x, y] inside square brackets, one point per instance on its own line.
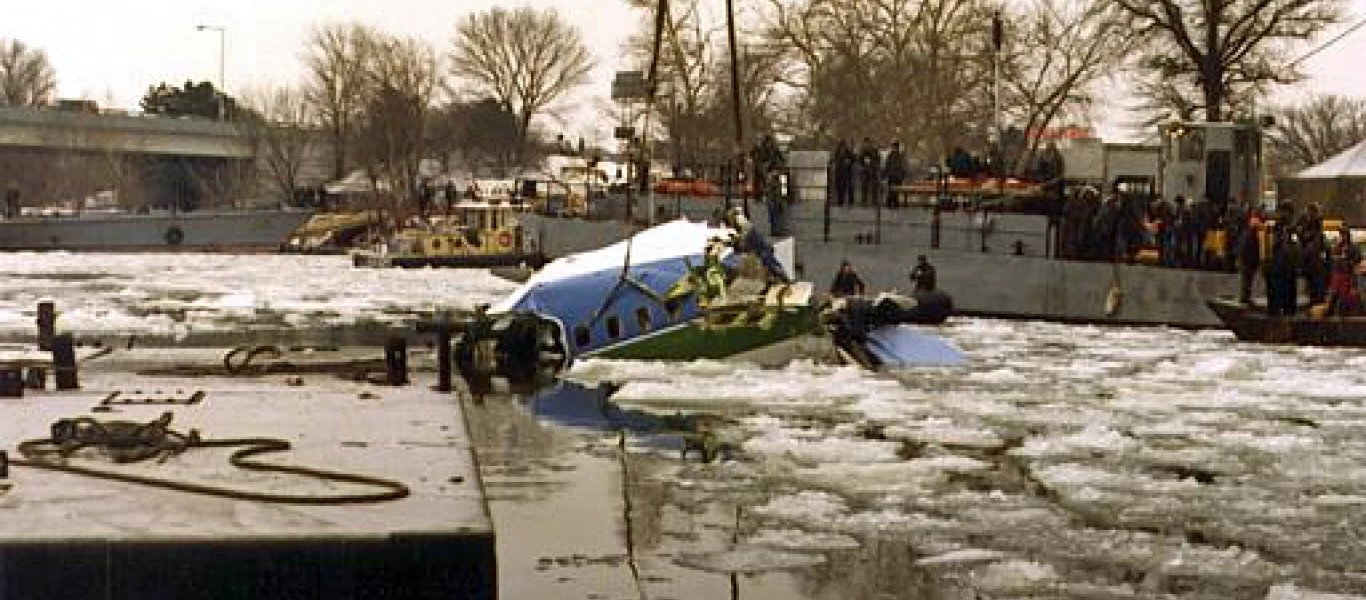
[585, 296]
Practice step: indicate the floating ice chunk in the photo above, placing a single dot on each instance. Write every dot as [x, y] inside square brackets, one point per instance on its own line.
[1339, 500]
[1093, 438]
[807, 506]
[1002, 375]
[1288, 591]
[1075, 475]
[822, 450]
[802, 541]
[1014, 575]
[969, 556]
[1225, 367]
[748, 560]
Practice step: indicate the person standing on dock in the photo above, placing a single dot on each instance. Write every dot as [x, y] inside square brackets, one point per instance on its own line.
[1343, 281]
[1314, 254]
[842, 163]
[870, 161]
[1280, 273]
[1249, 257]
[771, 165]
[894, 172]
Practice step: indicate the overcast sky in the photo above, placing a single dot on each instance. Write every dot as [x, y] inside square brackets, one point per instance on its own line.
[112, 51]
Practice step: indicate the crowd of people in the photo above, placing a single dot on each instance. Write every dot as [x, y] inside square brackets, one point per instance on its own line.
[1298, 248]
[1283, 247]
[864, 177]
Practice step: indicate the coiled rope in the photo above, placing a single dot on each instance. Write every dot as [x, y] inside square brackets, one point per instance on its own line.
[128, 442]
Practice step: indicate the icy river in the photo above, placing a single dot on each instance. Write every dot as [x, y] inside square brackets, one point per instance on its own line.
[1063, 462]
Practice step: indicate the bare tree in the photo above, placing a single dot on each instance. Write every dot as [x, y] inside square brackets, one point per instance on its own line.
[1058, 51]
[1309, 133]
[285, 132]
[393, 129]
[887, 68]
[525, 58]
[337, 82]
[483, 132]
[26, 76]
[1216, 55]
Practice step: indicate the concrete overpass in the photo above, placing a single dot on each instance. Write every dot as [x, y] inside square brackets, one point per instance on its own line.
[121, 134]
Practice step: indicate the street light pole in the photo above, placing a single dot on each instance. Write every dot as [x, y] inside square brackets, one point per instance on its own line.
[222, 82]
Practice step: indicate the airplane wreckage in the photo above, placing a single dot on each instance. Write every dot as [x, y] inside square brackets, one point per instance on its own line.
[686, 291]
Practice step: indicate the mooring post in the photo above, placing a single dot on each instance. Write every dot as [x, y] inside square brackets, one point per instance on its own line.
[64, 362]
[35, 378]
[11, 381]
[47, 324]
[396, 361]
[984, 230]
[444, 329]
[443, 359]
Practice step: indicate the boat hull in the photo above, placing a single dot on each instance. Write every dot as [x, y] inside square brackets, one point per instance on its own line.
[1252, 324]
[197, 231]
[473, 261]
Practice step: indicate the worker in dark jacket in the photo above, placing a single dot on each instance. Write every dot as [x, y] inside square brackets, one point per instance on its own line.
[870, 162]
[847, 282]
[842, 164]
[1249, 257]
[923, 275]
[894, 171]
[1279, 271]
[1314, 263]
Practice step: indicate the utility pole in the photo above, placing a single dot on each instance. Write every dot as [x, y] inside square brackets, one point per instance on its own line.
[737, 114]
[222, 81]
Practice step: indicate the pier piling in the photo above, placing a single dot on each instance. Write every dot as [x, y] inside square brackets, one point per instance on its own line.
[396, 361]
[64, 362]
[47, 324]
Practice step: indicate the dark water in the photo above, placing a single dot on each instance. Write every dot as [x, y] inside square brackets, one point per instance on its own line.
[560, 483]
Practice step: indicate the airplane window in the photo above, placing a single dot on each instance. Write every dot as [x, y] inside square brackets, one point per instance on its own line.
[613, 327]
[581, 337]
[643, 318]
[675, 308]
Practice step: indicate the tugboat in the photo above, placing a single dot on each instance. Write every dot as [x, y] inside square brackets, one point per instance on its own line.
[475, 235]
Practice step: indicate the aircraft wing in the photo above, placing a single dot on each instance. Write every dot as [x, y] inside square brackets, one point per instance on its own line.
[902, 346]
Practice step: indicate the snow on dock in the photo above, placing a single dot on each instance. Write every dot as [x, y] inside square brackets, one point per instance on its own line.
[65, 535]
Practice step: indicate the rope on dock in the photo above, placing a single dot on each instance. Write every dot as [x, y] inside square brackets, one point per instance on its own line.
[127, 442]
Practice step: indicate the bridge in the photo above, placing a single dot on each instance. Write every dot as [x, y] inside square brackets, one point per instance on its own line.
[58, 130]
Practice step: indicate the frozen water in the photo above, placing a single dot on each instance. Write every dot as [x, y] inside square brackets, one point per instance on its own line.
[177, 294]
[1137, 462]
[1098, 462]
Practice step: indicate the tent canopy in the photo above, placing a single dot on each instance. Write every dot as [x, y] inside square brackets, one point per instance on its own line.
[1350, 163]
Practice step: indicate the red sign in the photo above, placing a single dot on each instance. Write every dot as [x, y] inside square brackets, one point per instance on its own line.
[1062, 133]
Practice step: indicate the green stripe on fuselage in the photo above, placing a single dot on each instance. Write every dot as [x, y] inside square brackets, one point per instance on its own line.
[719, 335]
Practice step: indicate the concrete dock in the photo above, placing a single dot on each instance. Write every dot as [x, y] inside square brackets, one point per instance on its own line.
[65, 535]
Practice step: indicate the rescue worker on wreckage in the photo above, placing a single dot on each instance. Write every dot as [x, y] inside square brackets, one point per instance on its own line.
[748, 240]
[923, 275]
[847, 282]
